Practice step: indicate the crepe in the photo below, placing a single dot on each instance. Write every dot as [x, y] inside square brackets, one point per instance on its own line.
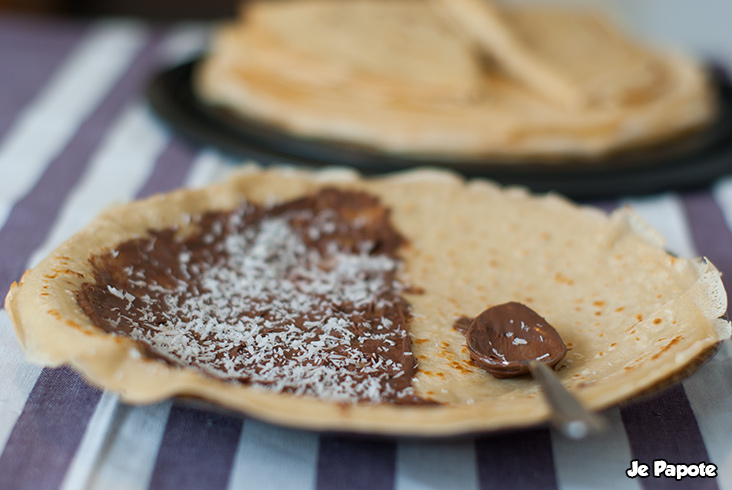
[373, 49]
[539, 84]
[575, 58]
[631, 314]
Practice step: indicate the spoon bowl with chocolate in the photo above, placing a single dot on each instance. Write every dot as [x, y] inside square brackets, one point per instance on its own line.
[323, 301]
[510, 340]
[505, 338]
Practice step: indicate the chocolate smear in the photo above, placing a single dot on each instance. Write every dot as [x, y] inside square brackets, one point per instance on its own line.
[301, 297]
[504, 338]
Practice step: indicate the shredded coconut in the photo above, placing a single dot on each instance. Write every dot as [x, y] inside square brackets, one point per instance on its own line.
[272, 311]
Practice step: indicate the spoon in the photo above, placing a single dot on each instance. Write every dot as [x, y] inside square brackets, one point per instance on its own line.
[511, 339]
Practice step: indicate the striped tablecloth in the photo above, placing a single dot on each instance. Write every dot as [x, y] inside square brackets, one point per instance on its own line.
[77, 136]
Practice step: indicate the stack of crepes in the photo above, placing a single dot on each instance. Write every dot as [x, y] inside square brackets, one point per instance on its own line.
[457, 78]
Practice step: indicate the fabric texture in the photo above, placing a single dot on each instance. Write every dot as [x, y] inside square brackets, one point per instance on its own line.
[76, 136]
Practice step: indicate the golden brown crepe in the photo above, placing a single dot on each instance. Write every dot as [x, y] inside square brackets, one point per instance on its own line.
[506, 82]
[574, 58]
[377, 49]
[631, 314]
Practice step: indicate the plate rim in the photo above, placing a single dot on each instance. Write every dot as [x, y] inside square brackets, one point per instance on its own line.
[172, 97]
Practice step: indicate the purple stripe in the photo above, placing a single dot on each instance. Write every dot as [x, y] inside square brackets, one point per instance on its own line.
[517, 460]
[30, 52]
[31, 217]
[709, 230]
[171, 170]
[664, 427]
[48, 432]
[197, 450]
[355, 464]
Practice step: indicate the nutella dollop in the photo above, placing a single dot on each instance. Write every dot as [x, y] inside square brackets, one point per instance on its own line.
[504, 338]
[300, 297]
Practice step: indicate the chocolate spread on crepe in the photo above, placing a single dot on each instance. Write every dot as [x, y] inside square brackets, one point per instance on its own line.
[300, 297]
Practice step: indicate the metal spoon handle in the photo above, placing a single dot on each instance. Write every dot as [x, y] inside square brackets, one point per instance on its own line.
[569, 416]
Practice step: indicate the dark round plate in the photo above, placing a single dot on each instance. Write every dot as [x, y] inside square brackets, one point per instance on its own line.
[688, 161]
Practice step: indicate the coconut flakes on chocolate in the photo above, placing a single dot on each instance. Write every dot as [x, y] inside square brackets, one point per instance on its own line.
[300, 297]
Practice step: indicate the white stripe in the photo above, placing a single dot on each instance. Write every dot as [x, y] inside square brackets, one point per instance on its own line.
[187, 40]
[92, 443]
[597, 460]
[47, 125]
[273, 457]
[18, 378]
[666, 214]
[210, 167]
[722, 192]
[120, 167]
[440, 465]
[709, 392]
[128, 458]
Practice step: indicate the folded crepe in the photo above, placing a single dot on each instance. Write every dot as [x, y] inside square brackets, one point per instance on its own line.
[377, 49]
[631, 314]
[461, 79]
[575, 58]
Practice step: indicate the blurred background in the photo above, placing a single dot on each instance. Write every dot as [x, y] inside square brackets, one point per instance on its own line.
[154, 10]
[699, 27]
